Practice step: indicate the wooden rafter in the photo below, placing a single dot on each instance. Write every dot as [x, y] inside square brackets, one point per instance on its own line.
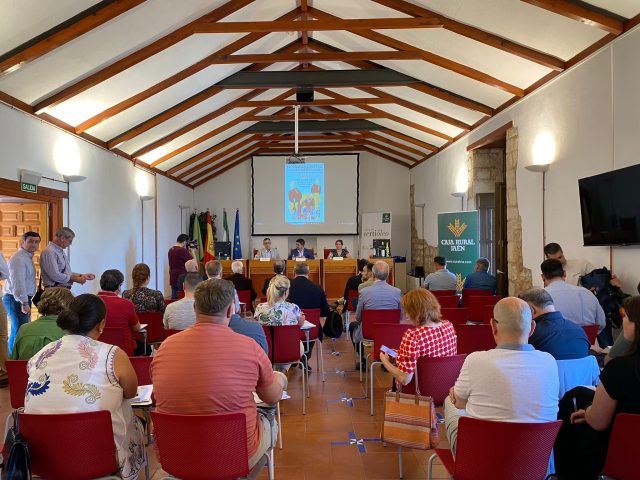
[388, 141]
[222, 154]
[578, 12]
[385, 156]
[208, 152]
[478, 35]
[67, 31]
[411, 140]
[240, 155]
[239, 158]
[138, 56]
[348, 101]
[405, 54]
[313, 116]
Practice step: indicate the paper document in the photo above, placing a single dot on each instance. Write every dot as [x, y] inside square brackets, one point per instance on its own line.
[307, 325]
[258, 400]
[144, 395]
[143, 326]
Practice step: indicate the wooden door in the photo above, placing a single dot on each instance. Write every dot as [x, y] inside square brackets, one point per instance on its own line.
[502, 271]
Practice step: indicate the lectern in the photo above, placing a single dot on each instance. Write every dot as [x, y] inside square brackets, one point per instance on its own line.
[259, 270]
[335, 274]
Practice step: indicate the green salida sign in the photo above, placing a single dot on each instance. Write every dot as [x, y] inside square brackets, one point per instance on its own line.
[458, 242]
[28, 187]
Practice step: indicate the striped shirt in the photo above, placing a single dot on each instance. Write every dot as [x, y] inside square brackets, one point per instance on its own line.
[22, 276]
[55, 268]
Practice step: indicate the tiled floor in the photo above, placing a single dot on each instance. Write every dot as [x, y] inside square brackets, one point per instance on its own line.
[319, 445]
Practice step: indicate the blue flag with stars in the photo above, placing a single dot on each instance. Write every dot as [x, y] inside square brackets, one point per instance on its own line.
[237, 249]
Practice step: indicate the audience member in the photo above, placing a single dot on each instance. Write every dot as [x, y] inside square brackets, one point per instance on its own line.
[626, 337]
[267, 251]
[576, 303]
[240, 282]
[367, 277]
[178, 256]
[144, 298]
[339, 251]
[33, 336]
[191, 266]
[227, 369]
[300, 251]
[379, 296]
[4, 331]
[554, 334]
[80, 374]
[180, 315]
[354, 282]
[581, 447]
[480, 279]
[441, 279]
[213, 269]
[54, 263]
[307, 295]
[279, 267]
[431, 337]
[120, 312]
[20, 287]
[573, 268]
[511, 383]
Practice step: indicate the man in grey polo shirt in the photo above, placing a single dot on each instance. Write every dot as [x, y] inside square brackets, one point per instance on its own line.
[54, 264]
[441, 279]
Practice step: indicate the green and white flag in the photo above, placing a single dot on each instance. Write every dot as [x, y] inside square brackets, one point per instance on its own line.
[196, 235]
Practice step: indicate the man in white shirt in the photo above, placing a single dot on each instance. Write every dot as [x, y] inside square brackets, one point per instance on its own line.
[511, 383]
[267, 251]
[574, 268]
[181, 314]
[441, 279]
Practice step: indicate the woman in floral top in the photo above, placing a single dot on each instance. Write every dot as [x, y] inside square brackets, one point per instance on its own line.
[144, 299]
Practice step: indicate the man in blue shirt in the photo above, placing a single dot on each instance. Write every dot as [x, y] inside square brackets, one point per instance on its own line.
[554, 334]
[480, 279]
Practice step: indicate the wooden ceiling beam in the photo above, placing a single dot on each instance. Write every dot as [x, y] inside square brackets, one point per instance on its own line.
[319, 102]
[589, 16]
[313, 116]
[242, 154]
[405, 54]
[139, 55]
[209, 151]
[411, 140]
[387, 157]
[390, 151]
[388, 141]
[228, 165]
[478, 35]
[63, 33]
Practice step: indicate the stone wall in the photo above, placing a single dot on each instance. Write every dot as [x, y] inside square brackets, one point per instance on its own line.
[421, 252]
[485, 168]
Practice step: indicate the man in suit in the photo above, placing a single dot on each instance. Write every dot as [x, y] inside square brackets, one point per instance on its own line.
[379, 296]
[279, 267]
[267, 251]
[240, 281]
[306, 294]
[300, 251]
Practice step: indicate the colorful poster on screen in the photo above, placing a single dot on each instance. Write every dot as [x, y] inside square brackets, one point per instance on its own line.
[458, 242]
[304, 193]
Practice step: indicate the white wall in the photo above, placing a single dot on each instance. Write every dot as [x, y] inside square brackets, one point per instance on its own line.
[593, 113]
[384, 187]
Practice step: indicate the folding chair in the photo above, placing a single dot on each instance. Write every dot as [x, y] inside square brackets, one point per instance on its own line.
[351, 295]
[444, 293]
[623, 462]
[477, 304]
[313, 315]
[168, 332]
[592, 332]
[142, 366]
[448, 301]
[244, 296]
[473, 292]
[18, 379]
[474, 338]
[435, 376]
[369, 319]
[116, 336]
[457, 316]
[155, 329]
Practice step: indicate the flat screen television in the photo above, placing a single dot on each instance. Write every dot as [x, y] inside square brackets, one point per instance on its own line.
[610, 207]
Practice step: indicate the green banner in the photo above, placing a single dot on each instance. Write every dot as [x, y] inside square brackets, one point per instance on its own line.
[458, 242]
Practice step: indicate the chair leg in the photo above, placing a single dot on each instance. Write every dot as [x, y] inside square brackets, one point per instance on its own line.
[147, 473]
[320, 358]
[400, 462]
[359, 359]
[430, 466]
[371, 386]
[279, 425]
[304, 397]
[271, 465]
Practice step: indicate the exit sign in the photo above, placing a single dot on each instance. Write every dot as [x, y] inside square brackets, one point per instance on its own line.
[28, 187]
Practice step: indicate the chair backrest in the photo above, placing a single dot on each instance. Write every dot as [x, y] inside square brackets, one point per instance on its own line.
[326, 253]
[263, 299]
[578, 372]
[283, 342]
[351, 294]
[620, 463]
[525, 449]
[220, 451]
[311, 315]
[444, 293]
[167, 301]
[87, 436]
[180, 294]
[371, 317]
[592, 332]
[116, 336]
[457, 316]
[245, 297]
[389, 335]
[450, 301]
[476, 305]
[487, 313]
[18, 379]
[473, 292]
[474, 338]
[168, 332]
[155, 329]
[142, 366]
[435, 376]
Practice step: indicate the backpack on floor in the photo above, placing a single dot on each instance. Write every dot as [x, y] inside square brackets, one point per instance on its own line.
[333, 325]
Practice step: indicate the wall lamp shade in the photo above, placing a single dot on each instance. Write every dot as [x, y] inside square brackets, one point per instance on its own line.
[458, 194]
[540, 168]
[144, 198]
[73, 178]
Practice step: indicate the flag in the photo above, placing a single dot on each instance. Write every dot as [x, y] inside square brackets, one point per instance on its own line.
[237, 249]
[209, 253]
[195, 235]
[225, 226]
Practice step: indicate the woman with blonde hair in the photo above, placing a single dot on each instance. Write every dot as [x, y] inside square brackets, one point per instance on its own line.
[143, 298]
[431, 337]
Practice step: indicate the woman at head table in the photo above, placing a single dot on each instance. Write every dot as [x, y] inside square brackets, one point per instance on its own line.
[339, 251]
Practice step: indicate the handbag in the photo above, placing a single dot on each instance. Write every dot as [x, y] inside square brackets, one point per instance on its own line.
[17, 464]
[410, 420]
[38, 295]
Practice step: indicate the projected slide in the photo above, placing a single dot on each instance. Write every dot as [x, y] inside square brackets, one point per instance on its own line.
[304, 193]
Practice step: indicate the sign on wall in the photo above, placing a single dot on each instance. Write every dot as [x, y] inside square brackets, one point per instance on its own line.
[375, 226]
[458, 242]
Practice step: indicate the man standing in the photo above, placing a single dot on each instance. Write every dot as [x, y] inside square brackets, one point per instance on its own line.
[178, 256]
[573, 267]
[54, 264]
[240, 281]
[554, 334]
[511, 383]
[21, 284]
[441, 279]
[267, 251]
[481, 279]
[300, 251]
[576, 303]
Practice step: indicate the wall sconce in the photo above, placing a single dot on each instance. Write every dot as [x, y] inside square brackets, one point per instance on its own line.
[460, 195]
[143, 189]
[73, 178]
[67, 159]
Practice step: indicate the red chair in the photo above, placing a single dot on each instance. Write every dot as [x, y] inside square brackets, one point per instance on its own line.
[142, 366]
[284, 349]
[473, 292]
[351, 294]
[168, 332]
[457, 316]
[487, 313]
[592, 332]
[476, 306]
[369, 319]
[89, 434]
[435, 376]
[245, 297]
[18, 379]
[313, 315]
[263, 299]
[444, 293]
[167, 301]
[155, 328]
[180, 294]
[623, 462]
[116, 336]
[225, 434]
[389, 335]
[449, 302]
[474, 338]
[525, 449]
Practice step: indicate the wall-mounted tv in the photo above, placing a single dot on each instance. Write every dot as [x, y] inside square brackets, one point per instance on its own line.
[610, 207]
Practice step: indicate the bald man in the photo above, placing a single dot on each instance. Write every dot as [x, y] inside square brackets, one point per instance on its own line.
[511, 383]
[191, 266]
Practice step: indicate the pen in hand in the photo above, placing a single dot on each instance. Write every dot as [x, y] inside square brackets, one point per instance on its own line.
[575, 404]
